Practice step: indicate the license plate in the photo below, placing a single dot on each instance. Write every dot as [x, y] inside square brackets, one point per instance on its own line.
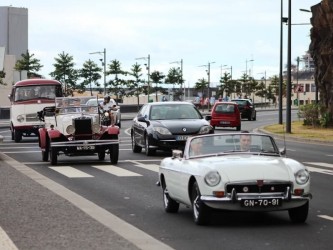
[181, 137]
[275, 202]
[224, 122]
[86, 147]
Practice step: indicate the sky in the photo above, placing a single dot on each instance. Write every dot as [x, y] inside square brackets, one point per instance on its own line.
[242, 34]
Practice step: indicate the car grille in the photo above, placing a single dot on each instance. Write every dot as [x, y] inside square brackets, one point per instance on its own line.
[82, 126]
[255, 188]
[31, 117]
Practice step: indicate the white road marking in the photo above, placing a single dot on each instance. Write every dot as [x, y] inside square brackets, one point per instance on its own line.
[111, 169]
[322, 164]
[6, 242]
[134, 235]
[71, 172]
[326, 217]
[151, 167]
[21, 152]
[320, 170]
[17, 147]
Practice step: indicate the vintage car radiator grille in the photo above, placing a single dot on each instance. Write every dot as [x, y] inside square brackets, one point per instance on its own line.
[82, 125]
[31, 117]
[254, 188]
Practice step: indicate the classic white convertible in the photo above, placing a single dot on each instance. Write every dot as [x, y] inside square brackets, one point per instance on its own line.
[238, 171]
[75, 129]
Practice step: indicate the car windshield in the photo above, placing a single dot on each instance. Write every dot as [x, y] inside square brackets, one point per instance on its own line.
[174, 112]
[66, 105]
[232, 143]
[32, 92]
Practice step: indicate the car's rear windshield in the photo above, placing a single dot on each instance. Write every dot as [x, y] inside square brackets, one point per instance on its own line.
[224, 108]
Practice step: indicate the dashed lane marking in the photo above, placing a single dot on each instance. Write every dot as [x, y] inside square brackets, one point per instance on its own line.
[320, 170]
[6, 242]
[326, 217]
[71, 172]
[111, 169]
[322, 164]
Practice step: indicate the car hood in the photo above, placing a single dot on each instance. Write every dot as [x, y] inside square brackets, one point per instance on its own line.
[250, 167]
[178, 126]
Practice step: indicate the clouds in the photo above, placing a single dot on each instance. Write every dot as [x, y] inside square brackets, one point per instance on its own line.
[225, 31]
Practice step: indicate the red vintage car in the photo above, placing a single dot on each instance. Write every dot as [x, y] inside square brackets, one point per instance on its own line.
[74, 129]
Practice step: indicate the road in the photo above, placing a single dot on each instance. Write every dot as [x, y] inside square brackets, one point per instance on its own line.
[86, 204]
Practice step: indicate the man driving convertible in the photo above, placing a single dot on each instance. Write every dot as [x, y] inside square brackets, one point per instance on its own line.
[109, 105]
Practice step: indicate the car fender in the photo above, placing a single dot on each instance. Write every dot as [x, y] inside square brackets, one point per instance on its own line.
[54, 133]
[113, 130]
[42, 138]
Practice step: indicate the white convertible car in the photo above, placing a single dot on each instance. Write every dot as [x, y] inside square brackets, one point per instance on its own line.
[238, 171]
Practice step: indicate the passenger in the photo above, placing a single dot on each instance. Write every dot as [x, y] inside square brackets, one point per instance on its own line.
[245, 141]
[196, 147]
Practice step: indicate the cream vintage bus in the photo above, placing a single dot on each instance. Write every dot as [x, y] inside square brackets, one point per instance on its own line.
[27, 98]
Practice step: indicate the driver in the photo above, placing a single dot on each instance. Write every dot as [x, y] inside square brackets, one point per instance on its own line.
[109, 105]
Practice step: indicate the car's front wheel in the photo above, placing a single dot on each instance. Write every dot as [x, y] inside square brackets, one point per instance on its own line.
[135, 147]
[114, 153]
[299, 214]
[101, 155]
[53, 156]
[17, 136]
[200, 210]
[148, 150]
[170, 205]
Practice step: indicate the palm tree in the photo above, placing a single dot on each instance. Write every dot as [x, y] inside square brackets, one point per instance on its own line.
[156, 78]
[29, 64]
[117, 83]
[90, 74]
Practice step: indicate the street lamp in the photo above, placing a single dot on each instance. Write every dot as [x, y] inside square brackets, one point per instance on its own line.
[282, 20]
[246, 64]
[230, 68]
[264, 73]
[208, 74]
[288, 107]
[181, 75]
[147, 68]
[103, 64]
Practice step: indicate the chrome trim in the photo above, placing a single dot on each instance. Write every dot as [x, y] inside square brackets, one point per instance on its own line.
[83, 142]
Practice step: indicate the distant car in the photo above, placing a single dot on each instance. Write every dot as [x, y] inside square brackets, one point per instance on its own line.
[166, 126]
[225, 114]
[215, 172]
[247, 109]
[74, 129]
[95, 102]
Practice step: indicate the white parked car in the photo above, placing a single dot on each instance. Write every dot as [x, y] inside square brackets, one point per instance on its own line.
[234, 171]
[75, 129]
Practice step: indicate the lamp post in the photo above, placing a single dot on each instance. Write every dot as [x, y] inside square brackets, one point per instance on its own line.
[246, 64]
[288, 103]
[103, 64]
[181, 75]
[264, 73]
[230, 68]
[208, 74]
[148, 69]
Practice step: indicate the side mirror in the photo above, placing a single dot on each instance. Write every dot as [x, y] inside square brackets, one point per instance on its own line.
[208, 117]
[282, 151]
[177, 154]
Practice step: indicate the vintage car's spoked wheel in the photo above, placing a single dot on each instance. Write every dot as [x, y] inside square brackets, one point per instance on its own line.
[200, 210]
[101, 155]
[135, 147]
[17, 136]
[53, 156]
[148, 150]
[170, 205]
[114, 153]
[299, 214]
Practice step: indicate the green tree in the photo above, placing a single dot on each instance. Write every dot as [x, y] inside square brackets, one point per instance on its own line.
[156, 78]
[29, 64]
[65, 72]
[225, 85]
[135, 87]
[201, 85]
[2, 77]
[173, 77]
[91, 74]
[116, 85]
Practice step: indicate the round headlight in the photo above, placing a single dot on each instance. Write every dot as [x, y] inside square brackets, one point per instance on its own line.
[204, 130]
[106, 113]
[96, 128]
[20, 118]
[302, 176]
[212, 178]
[70, 129]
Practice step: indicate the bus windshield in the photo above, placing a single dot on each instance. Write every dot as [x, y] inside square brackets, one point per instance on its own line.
[30, 92]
